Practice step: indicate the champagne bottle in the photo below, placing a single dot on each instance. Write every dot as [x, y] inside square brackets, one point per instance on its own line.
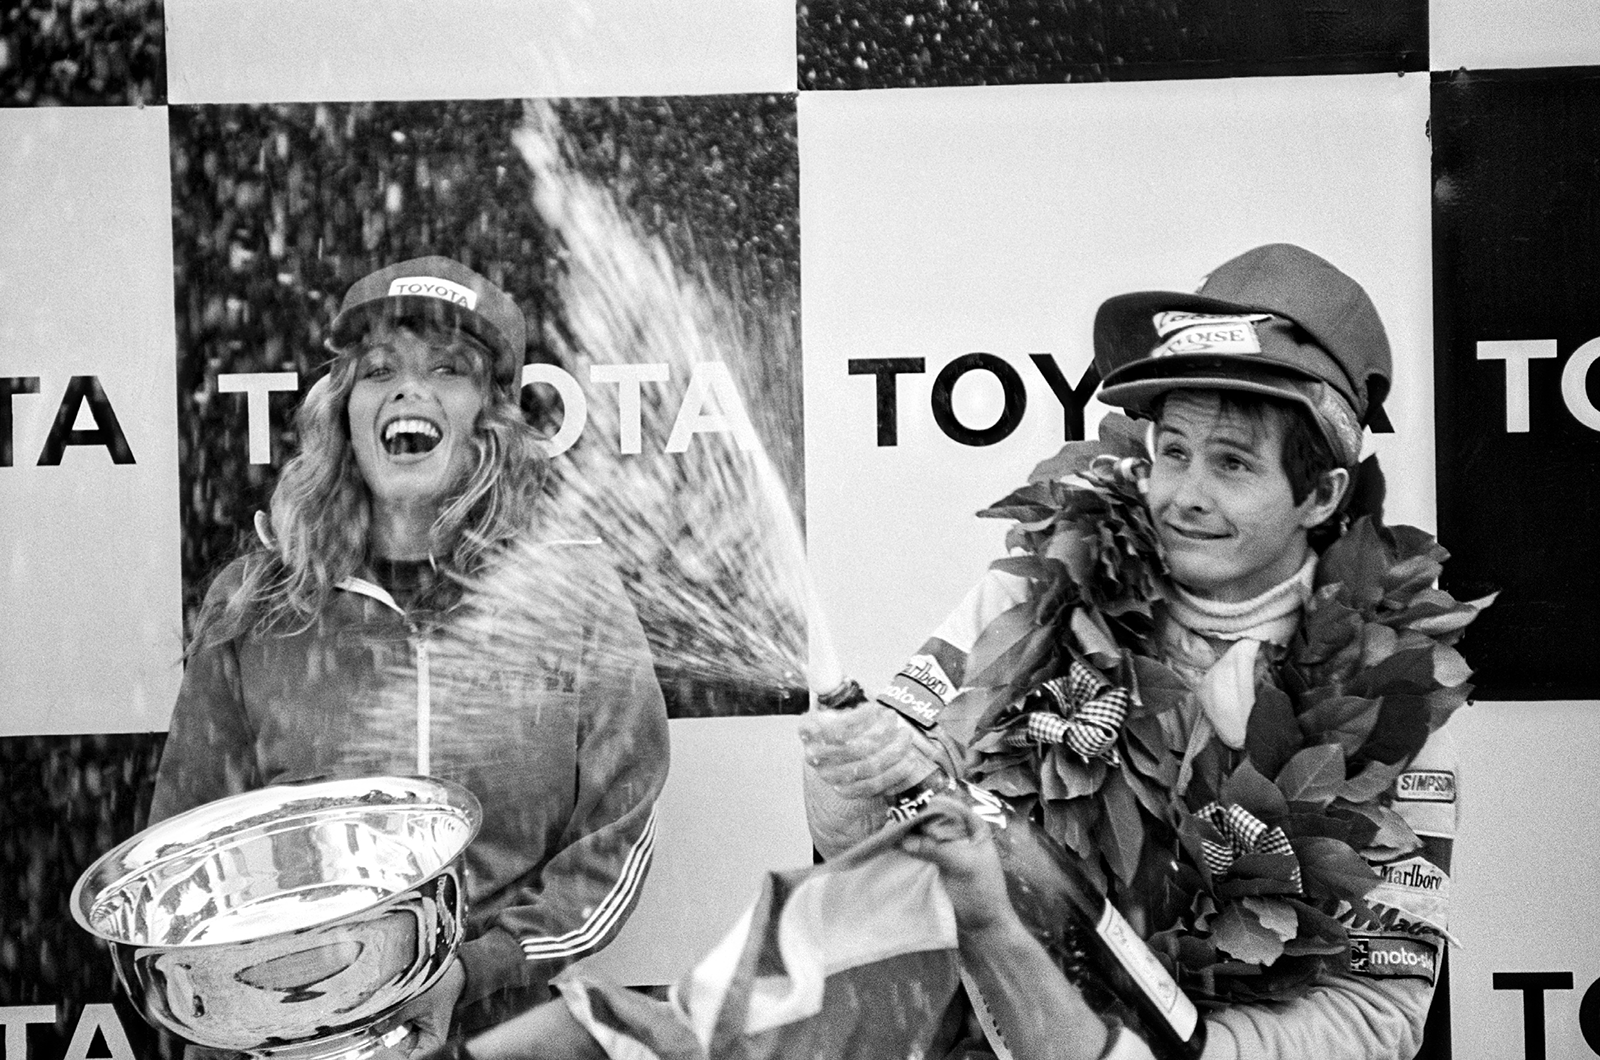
[1093, 944]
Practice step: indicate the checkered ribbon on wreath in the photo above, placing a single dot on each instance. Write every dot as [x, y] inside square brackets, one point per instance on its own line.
[1080, 709]
[1245, 834]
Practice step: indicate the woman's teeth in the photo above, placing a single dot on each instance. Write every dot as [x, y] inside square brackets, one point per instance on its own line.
[410, 436]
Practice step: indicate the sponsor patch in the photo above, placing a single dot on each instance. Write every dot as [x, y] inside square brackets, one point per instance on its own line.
[919, 691]
[1415, 888]
[1426, 785]
[433, 287]
[1390, 921]
[1393, 957]
[926, 671]
[1206, 333]
[1415, 874]
[1167, 323]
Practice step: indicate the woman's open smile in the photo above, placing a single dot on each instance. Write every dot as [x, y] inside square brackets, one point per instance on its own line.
[412, 413]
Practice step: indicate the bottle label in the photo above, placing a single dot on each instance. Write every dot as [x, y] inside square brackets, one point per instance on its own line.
[911, 803]
[1148, 972]
[987, 806]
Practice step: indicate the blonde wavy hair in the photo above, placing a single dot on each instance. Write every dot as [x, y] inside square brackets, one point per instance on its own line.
[321, 509]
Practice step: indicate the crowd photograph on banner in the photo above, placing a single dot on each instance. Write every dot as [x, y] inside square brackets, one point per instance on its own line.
[764, 531]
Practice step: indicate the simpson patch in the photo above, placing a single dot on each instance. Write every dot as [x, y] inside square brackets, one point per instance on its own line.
[1426, 785]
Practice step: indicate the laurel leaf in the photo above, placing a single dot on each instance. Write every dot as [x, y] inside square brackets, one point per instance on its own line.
[1249, 789]
[1373, 780]
[1239, 934]
[1273, 734]
[1275, 914]
[1122, 829]
[1345, 720]
[1330, 869]
[1314, 776]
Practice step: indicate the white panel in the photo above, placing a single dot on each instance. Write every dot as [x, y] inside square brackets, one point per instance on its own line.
[1488, 34]
[731, 812]
[942, 222]
[1525, 868]
[90, 629]
[246, 51]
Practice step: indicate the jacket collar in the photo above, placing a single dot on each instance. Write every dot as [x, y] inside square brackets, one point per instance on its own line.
[365, 588]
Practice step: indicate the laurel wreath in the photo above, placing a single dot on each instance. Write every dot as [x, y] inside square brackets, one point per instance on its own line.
[1339, 712]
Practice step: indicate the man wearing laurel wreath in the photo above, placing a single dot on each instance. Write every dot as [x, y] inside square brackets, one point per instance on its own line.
[1210, 673]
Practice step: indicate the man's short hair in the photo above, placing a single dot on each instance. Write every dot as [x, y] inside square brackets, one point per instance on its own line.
[1306, 455]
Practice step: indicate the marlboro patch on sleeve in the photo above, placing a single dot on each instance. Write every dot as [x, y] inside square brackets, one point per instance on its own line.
[1418, 889]
[920, 691]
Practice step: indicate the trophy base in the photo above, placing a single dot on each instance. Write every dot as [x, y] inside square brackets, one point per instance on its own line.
[362, 1044]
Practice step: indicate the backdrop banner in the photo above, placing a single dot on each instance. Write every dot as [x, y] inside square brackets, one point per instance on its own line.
[1517, 335]
[806, 287]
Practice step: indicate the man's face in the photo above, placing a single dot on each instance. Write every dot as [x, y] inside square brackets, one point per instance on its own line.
[1221, 501]
[412, 412]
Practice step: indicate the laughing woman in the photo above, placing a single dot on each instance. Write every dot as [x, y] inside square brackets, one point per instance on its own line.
[311, 654]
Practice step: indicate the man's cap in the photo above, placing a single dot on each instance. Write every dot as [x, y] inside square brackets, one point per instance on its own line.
[1277, 320]
[441, 289]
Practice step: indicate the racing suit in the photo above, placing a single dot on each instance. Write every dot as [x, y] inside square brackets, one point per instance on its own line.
[1375, 1009]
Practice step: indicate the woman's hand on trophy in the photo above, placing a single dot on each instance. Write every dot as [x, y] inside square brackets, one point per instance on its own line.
[429, 1014]
[867, 751]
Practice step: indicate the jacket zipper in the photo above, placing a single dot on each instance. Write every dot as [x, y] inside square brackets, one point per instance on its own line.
[424, 704]
[419, 649]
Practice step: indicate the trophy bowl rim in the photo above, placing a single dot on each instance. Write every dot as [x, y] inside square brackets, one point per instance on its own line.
[240, 813]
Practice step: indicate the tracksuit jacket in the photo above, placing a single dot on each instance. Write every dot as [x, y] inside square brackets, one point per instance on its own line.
[566, 749]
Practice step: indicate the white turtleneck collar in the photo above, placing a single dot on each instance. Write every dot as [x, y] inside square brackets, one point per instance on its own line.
[1270, 617]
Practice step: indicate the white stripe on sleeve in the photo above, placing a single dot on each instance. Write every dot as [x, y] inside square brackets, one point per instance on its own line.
[607, 915]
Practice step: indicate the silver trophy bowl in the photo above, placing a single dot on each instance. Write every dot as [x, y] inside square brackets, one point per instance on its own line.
[290, 922]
